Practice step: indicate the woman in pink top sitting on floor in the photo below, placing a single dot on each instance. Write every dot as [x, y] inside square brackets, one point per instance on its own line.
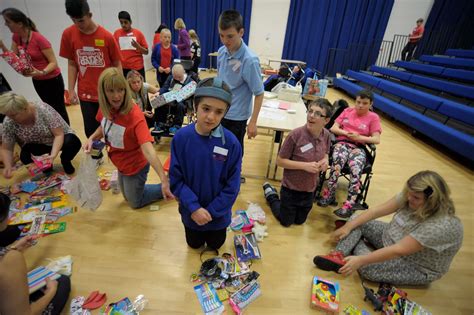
[354, 128]
[46, 75]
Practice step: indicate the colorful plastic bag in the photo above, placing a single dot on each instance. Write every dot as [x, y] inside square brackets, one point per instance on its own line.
[85, 187]
[21, 62]
[315, 87]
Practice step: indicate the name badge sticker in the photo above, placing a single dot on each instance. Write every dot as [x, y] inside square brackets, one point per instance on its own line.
[306, 147]
[236, 66]
[220, 154]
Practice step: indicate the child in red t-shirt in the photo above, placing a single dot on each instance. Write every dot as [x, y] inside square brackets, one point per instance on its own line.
[413, 39]
[132, 45]
[90, 49]
[163, 55]
[124, 129]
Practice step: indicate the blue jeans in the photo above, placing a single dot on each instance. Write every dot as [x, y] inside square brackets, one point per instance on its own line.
[136, 192]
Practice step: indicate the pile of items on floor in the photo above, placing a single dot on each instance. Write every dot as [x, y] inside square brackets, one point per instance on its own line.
[81, 305]
[45, 204]
[229, 277]
[388, 300]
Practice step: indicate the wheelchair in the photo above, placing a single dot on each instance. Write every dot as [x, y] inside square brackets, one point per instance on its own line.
[367, 173]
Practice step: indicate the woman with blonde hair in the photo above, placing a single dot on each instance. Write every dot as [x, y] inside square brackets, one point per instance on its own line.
[140, 90]
[128, 139]
[184, 43]
[39, 130]
[415, 248]
[195, 50]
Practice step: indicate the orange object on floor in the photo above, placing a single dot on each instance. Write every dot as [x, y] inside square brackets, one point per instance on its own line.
[94, 301]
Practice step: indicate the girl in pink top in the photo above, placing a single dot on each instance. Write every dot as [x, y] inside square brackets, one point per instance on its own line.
[354, 128]
[46, 75]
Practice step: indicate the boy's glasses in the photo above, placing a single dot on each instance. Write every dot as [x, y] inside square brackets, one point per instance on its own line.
[315, 114]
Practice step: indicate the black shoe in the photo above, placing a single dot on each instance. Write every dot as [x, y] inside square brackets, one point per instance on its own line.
[242, 180]
[68, 167]
[268, 190]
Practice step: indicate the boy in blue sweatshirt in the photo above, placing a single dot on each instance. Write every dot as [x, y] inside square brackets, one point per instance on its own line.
[206, 161]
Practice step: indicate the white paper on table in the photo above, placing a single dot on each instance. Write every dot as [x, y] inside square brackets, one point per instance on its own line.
[271, 104]
[125, 42]
[265, 113]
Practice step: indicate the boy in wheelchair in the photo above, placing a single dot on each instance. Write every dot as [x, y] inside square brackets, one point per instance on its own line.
[354, 129]
[169, 118]
[303, 156]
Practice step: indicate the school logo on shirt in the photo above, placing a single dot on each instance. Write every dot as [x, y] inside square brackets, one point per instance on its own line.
[90, 57]
[362, 126]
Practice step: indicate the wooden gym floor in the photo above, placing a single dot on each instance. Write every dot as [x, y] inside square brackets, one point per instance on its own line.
[125, 252]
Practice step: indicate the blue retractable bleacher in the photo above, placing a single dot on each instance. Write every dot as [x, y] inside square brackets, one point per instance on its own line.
[434, 84]
[364, 77]
[419, 67]
[449, 73]
[457, 111]
[448, 61]
[452, 138]
[463, 53]
[347, 86]
[459, 74]
[404, 76]
[441, 85]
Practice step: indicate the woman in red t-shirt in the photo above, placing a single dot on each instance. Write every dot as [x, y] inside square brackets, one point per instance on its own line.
[46, 75]
[124, 129]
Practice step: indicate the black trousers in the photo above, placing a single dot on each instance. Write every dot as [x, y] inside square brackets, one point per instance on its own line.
[238, 128]
[162, 77]
[293, 208]
[407, 52]
[141, 71]
[196, 63]
[9, 235]
[60, 298]
[213, 239]
[71, 146]
[51, 91]
[176, 112]
[89, 111]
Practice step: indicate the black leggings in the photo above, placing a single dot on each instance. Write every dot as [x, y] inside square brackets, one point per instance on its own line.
[89, 111]
[70, 147]
[176, 112]
[60, 298]
[213, 239]
[51, 91]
